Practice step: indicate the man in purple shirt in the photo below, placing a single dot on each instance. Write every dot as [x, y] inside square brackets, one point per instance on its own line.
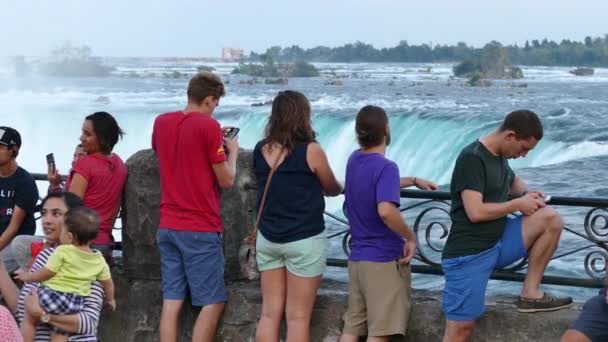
[382, 245]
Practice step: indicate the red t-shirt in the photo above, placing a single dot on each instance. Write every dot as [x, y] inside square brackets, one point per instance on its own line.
[106, 177]
[187, 145]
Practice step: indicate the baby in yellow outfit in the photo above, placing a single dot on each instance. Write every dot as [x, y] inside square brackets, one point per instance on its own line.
[69, 273]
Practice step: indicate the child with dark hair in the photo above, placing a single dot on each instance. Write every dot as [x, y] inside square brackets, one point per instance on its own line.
[382, 245]
[69, 273]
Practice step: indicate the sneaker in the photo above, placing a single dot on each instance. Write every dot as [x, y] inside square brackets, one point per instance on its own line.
[549, 302]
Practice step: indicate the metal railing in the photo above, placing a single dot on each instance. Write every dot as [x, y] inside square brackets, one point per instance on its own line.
[432, 225]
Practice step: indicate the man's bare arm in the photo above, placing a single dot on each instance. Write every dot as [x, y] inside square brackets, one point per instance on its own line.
[479, 211]
[34, 277]
[518, 188]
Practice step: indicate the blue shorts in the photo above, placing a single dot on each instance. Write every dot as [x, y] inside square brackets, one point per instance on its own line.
[192, 260]
[593, 320]
[466, 277]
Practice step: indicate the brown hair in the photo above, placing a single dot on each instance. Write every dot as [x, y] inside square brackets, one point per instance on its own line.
[205, 84]
[289, 122]
[524, 123]
[370, 126]
[83, 223]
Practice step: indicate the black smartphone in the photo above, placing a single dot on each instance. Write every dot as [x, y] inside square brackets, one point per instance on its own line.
[231, 132]
[50, 161]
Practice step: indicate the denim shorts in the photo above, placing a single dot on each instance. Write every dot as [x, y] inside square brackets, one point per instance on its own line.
[593, 320]
[466, 277]
[304, 258]
[192, 261]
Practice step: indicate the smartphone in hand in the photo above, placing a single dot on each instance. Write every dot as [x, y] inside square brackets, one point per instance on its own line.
[50, 161]
[231, 132]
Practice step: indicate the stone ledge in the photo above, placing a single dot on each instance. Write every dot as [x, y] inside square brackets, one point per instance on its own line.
[140, 215]
[139, 305]
[138, 286]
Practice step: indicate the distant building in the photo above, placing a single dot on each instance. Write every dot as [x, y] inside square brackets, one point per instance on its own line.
[232, 53]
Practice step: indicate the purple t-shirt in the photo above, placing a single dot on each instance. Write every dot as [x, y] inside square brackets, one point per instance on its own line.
[371, 179]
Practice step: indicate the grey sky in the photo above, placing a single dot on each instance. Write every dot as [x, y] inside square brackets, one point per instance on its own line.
[201, 28]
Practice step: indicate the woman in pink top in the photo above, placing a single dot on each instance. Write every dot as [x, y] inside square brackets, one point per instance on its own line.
[9, 331]
[99, 176]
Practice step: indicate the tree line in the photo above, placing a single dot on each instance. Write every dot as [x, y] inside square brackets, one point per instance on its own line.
[591, 52]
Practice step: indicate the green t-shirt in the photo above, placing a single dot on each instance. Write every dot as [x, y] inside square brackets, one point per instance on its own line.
[479, 170]
[75, 270]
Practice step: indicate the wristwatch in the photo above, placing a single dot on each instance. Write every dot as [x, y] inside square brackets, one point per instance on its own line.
[45, 317]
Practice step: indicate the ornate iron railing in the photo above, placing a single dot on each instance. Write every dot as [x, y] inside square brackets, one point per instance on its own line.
[588, 238]
[583, 245]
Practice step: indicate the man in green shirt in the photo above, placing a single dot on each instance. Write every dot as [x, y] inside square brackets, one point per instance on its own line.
[486, 236]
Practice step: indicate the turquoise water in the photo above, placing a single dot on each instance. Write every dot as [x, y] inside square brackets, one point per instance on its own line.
[432, 118]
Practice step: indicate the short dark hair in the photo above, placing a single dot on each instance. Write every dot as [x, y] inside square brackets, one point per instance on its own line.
[525, 123]
[205, 84]
[106, 129]
[370, 126]
[83, 223]
[71, 200]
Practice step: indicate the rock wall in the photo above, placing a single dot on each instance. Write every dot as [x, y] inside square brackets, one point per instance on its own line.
[139, 305]
[138, 287]
[140, 216]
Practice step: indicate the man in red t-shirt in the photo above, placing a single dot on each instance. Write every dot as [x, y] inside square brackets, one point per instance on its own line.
[192, 162]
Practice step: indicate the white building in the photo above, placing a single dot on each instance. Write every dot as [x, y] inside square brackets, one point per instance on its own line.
[232, 53]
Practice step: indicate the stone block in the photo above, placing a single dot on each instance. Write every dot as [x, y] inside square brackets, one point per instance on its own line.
[140, 216]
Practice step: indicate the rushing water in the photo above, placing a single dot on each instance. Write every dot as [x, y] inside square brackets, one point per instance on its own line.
[432, 118]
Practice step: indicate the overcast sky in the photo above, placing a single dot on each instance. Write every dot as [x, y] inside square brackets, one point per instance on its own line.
[197, 28]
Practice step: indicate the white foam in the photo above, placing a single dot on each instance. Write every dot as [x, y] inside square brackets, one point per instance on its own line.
[559, 152]
[401, 103]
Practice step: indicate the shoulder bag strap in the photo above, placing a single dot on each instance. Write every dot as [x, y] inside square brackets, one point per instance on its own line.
[263, 202]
